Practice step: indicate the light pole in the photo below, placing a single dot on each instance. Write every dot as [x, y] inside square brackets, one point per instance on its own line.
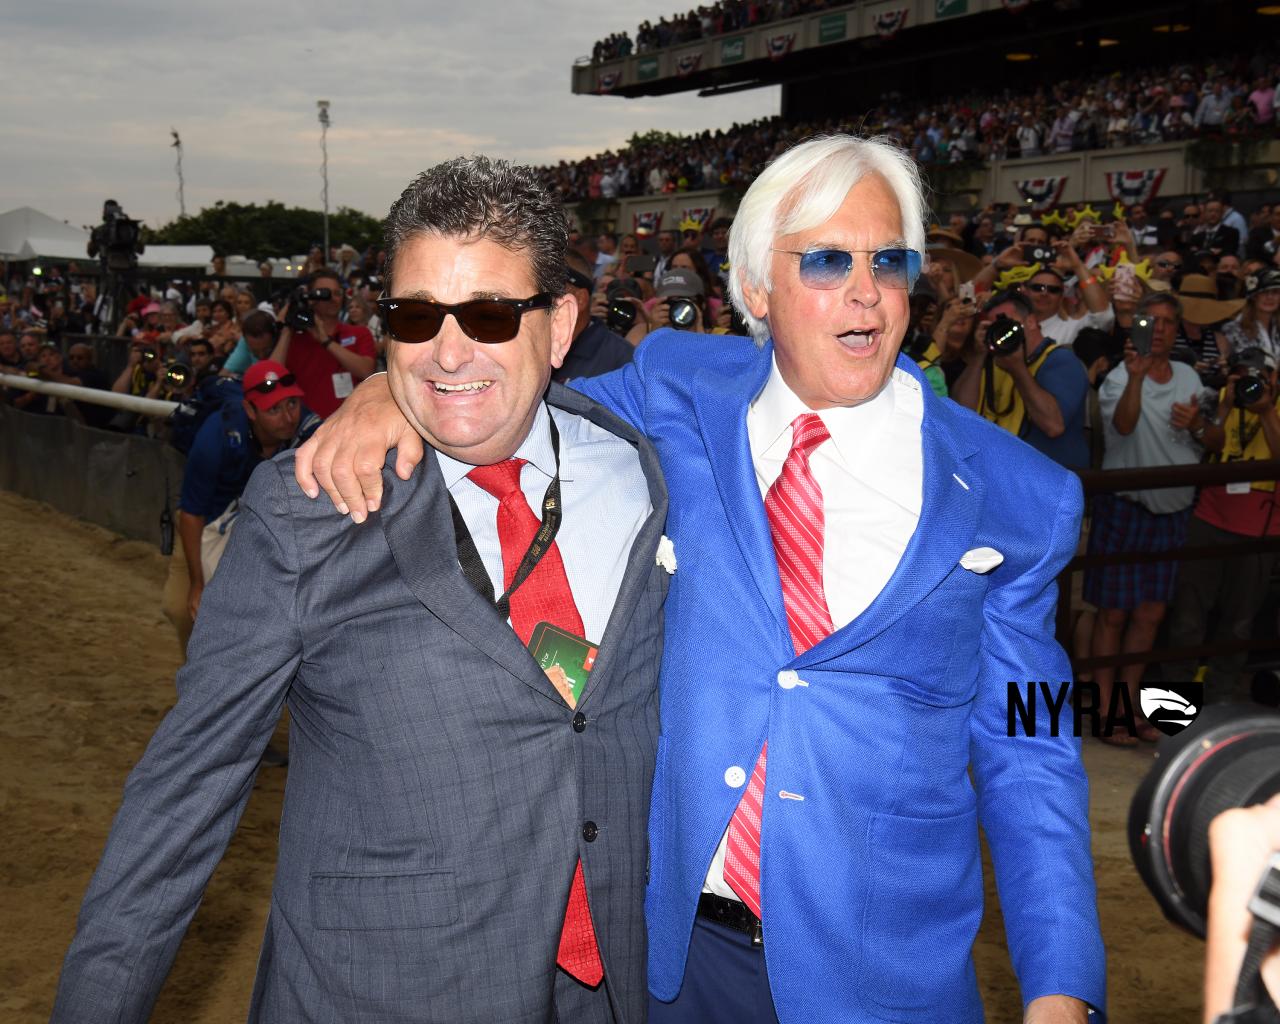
[324, 169]
[182, 199]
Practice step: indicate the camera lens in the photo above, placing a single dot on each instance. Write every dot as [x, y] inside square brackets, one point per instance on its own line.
[1004, 335]
[683, 312]
[1229, 757]
[1249, 389]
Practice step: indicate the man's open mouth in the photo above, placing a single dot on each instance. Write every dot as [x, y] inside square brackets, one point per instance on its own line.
[465, 387]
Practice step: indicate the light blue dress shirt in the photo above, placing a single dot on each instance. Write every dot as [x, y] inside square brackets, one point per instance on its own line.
[605, 501]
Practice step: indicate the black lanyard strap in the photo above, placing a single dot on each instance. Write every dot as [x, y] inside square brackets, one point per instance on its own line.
[469, 556]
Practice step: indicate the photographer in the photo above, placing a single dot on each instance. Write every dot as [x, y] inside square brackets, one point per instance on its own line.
[1241, 843]
[327, 356]
[1152, 418]
[680, 302]
[227, 447]
[1025, 382]
[1246, 428]
[595, 348]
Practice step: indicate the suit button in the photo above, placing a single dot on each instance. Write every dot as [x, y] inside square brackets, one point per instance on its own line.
[589, 831]
[579, 722]
[789, 680]
[734, 776]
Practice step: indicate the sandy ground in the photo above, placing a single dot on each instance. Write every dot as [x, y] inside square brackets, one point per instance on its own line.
[87, 674]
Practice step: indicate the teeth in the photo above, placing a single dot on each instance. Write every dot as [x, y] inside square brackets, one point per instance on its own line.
[471, 385]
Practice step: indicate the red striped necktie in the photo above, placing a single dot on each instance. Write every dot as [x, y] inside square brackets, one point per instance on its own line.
[798, 526]
[543, 597]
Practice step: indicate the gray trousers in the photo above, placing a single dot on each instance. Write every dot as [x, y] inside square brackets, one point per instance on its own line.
[1236, 587]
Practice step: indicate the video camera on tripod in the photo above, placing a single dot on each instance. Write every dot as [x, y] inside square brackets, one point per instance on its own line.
[117, 240]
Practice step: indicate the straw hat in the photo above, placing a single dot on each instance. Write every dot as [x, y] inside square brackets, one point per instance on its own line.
[967, 265]
[1200, 302]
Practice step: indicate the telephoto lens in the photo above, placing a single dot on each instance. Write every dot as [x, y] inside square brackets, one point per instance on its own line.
[1004, 336]
[1228, 757]
[1249, 389]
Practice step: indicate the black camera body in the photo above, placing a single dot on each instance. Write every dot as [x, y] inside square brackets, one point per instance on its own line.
[621, 316]
[1251, 384]
[1005, 336]
[117, 240]
[302, 316]
[1041, 254]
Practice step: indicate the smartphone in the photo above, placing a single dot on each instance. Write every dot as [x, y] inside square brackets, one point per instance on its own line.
[967, 293]
[1140, 335]
[1125, 277]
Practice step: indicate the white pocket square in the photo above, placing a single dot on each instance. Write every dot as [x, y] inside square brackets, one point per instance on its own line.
[667, 555]
[981, 559]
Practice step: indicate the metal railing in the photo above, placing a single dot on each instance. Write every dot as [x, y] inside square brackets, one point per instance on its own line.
[1157, 478]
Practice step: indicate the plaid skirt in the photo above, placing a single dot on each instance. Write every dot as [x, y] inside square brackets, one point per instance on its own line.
[1125, 526]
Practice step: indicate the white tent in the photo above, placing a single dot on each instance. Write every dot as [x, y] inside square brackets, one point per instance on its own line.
[27, 234]
[176, 256]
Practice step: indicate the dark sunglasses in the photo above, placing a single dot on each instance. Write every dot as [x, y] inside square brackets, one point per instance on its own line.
[268, 386]
[894, 267]
[1052, 289]
[488, 321]
[1169, 265]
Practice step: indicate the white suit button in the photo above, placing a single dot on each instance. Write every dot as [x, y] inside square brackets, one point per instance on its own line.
[734, 776]
[787, 679]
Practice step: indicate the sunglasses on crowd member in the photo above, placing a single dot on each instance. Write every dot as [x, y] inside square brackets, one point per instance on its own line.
[1169, 264]
[269, 385]
[892, 267]
[1040, 289]
[488, 321]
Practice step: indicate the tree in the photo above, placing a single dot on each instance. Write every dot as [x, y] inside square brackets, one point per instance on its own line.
[270, 230]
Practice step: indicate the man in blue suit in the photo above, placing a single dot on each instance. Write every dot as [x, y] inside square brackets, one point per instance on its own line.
[860, 569]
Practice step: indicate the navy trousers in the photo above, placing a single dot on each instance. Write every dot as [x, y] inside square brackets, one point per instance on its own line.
[724, 982]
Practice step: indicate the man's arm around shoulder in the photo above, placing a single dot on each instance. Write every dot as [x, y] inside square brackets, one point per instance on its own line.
[184, 798]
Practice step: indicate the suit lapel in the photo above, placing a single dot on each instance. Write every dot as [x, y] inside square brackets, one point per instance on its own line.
[641, 561]
[721, 407]
[952, 499]
[416, 520]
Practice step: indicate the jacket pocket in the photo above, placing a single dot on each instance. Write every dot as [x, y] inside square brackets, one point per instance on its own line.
[923, 909]
[383, 902]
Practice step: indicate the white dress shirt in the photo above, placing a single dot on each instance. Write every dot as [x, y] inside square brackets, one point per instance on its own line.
[871, 473]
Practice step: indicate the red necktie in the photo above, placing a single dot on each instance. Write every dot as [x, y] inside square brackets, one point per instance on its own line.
[798, 526]
[543, 597]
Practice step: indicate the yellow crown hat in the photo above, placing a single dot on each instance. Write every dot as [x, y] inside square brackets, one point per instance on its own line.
[1142, 270]
[1016, 275]
[1055, 219]
[689, 224]
[1087, 213]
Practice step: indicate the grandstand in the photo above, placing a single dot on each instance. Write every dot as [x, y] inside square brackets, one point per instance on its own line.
[892, 65]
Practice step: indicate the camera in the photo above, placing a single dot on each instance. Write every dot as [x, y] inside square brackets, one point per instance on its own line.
[117, 240]
[1005, 336]
[683, 312]
[301, 315]
[621, 316]
[1039, 254]
[1142, 333]
[1251, 384]
[1228, 757]
[178, 375]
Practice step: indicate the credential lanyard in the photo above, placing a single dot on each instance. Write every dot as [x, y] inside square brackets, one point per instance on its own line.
[469, 557]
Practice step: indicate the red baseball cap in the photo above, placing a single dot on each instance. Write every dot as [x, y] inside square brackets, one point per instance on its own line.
[266, 382]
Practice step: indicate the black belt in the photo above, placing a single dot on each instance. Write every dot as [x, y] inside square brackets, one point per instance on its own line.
[731, 914]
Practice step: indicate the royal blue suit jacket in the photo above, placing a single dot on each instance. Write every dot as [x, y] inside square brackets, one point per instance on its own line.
[871, 876]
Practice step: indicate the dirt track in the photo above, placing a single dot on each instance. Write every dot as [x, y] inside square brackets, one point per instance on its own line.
[87, 675]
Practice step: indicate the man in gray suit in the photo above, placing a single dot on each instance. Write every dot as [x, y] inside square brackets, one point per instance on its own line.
[463, 836]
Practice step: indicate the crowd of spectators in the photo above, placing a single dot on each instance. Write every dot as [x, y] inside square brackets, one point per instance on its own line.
[1226, 98]
[702, 23]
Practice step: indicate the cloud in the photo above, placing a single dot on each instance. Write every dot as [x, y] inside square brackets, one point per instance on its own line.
[96, 88]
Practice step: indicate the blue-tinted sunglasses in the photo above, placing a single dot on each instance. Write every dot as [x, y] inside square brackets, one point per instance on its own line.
[894, 267]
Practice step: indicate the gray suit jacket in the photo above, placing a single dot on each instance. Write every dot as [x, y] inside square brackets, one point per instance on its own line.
[438, 793]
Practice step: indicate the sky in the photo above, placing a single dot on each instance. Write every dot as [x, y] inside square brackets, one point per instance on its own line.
[94, 88]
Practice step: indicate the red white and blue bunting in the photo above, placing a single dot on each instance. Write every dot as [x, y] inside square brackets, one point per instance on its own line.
[1041, 194]
[780, 45]
[646, 222]
[1129, 188]
[889, 23]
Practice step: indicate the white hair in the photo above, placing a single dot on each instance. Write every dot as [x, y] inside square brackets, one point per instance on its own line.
[804, 187]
